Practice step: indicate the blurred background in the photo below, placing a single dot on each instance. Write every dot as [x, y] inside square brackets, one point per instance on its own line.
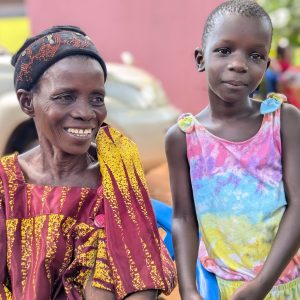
[149, 46]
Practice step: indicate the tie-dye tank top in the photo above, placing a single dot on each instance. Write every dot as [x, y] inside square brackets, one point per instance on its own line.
[239, 198]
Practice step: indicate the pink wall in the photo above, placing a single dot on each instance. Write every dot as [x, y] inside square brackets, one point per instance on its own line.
[161, 35]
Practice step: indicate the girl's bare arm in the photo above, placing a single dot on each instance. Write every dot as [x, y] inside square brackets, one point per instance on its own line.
[184, 225]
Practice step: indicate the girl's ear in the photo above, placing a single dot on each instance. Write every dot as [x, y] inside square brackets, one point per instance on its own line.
[268, 63]
[26, 102]
[199, 58]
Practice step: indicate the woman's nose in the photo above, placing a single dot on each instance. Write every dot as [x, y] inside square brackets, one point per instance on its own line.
[82, 110]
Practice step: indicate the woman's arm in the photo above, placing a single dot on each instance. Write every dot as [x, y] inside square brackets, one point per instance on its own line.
[184, 226]
[143, 295]
[4, 291]
[287, 240]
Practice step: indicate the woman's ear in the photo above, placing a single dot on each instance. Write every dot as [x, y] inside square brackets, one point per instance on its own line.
[199, 58]
[26, 102]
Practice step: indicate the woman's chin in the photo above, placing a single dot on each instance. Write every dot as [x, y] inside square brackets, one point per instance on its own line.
[76, 150]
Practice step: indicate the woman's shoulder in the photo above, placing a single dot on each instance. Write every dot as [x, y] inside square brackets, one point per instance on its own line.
[8, 163]
[8, 170]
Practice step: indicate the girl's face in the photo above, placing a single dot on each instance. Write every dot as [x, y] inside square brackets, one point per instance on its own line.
[69, 104]
[236, 56]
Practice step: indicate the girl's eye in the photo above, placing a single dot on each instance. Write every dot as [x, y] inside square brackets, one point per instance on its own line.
[223, 51]
[256, 56]
[97, 100]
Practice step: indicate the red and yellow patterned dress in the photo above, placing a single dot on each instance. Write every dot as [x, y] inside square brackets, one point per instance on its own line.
[53, 237]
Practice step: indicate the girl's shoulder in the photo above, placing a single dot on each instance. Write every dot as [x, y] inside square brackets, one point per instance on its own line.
[186, 122]
[175, 141]
[290, 121]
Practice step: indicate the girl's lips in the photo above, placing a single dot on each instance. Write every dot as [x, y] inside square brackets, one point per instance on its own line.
[235, 83]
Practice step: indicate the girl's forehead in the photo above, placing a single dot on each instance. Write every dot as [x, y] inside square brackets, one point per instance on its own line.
[238, 27]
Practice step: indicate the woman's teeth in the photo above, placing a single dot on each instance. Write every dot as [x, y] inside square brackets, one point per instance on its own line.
[80, 132]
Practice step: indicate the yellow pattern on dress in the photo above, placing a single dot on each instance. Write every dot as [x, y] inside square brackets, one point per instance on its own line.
[117, 280]
[102, 269]
[64, 194]
[120, 157]
[38, 227]
[26, 247]
[54, 226]
[28, 194]
[66, 227]
[45, 194]
[83, 193]
[54, 222]
[85, 256]
[10, 170]
[11, 226]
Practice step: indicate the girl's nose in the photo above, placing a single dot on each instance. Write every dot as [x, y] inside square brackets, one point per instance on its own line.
[238, 65]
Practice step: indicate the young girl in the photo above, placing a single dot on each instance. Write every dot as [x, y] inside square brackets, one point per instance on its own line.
[234, 168]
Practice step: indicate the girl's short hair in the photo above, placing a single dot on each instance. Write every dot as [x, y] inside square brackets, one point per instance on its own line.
[247, 8]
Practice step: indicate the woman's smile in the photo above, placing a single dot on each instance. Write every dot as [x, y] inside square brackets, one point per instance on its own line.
[80, 132]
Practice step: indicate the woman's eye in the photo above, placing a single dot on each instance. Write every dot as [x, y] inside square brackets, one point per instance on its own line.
[97, 100]
[223, 51]
[63, 98]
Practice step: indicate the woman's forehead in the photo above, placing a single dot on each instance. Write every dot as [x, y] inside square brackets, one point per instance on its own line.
[78, 64]
[73, 69]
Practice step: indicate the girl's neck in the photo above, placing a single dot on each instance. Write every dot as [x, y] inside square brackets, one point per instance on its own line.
[220, 109]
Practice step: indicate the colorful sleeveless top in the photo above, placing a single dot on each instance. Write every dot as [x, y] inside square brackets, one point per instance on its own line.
[239, 198]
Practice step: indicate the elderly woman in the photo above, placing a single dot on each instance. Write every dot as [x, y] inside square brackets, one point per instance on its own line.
[75, 221]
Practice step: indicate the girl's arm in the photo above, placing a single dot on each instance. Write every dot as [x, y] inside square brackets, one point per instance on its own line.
[184, 225]
[287, 241]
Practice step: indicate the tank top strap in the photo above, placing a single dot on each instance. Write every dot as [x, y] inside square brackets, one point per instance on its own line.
[186, 122]
[272, 103]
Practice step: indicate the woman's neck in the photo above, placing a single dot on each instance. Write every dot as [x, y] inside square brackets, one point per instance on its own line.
[50, 166]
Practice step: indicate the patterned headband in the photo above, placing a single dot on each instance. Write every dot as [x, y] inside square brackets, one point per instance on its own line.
[47, 50]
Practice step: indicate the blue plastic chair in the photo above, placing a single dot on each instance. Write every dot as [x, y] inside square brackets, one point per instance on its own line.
[206, 281]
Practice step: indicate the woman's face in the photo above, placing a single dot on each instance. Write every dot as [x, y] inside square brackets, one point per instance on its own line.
[69, 104]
